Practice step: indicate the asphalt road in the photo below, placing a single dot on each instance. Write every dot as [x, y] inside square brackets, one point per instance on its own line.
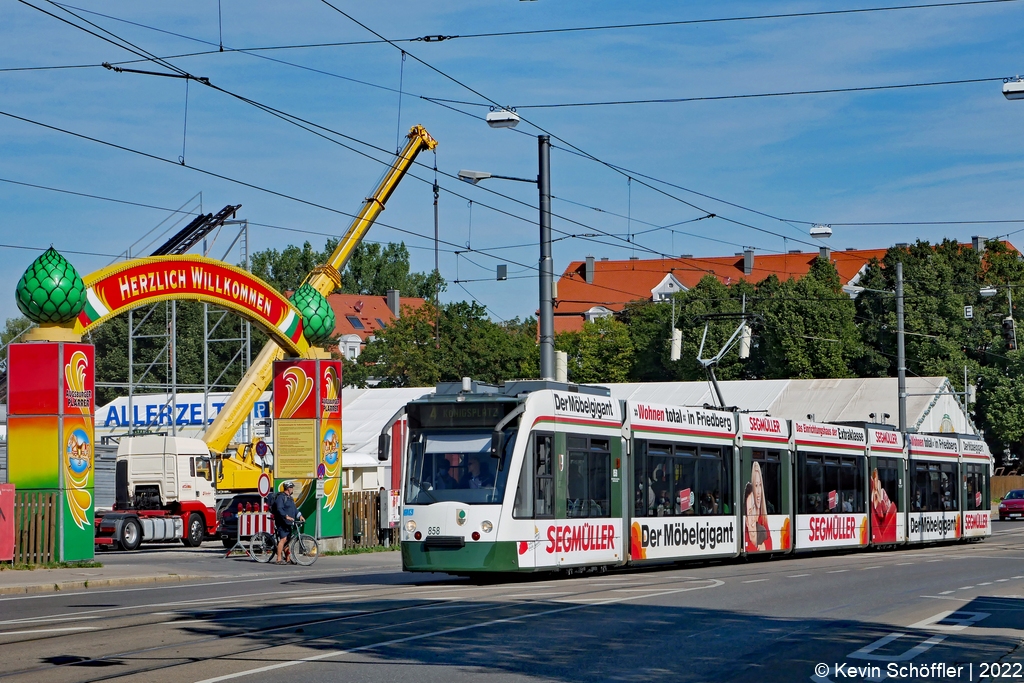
[359, 618]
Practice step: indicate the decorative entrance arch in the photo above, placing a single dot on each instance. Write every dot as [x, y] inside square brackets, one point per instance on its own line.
[123, 286]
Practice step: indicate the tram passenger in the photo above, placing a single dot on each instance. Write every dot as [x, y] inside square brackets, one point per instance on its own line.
[663, 503]
[479, 474]
[443, 479]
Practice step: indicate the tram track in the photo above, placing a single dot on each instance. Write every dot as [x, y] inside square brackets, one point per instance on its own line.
[423, 603]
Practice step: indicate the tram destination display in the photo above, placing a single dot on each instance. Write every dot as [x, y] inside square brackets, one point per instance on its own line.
[468, 414]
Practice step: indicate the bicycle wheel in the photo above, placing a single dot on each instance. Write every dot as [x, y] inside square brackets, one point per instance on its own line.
[305, 550]
[262, 546]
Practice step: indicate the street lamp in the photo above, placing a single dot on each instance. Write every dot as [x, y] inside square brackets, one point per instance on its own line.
[546, 270]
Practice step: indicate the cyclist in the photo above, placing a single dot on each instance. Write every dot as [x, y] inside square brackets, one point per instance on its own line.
[285, 516]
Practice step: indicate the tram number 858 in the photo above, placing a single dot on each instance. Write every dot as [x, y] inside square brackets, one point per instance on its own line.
[433, 531]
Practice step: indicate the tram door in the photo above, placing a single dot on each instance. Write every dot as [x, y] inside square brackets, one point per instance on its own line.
[535, 495]
[766, 499]
[887, 503]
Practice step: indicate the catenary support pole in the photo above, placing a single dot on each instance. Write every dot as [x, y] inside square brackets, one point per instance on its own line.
[547, 313]
[901, 354]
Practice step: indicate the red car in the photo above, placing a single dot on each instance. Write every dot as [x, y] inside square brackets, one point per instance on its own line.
[1012, 505]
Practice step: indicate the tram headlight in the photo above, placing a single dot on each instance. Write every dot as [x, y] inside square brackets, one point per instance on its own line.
[410, 526]
[486, 527]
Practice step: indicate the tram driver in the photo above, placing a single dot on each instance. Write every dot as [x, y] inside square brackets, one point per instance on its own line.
[479, 474]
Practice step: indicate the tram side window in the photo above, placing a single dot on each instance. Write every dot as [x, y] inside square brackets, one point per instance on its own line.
[851, 486]
[811, 471]
[588, 492]
[769, 467]
[535, 495]
[671, 481]
[977, 487]
[949, 484]
[935, 487]
[639, 478]
[712, 480]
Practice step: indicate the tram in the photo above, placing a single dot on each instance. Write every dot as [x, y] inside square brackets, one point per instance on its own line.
[541, 476]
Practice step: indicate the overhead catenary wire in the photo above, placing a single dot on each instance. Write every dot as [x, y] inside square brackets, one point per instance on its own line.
[438, 101]
[538, 127]
[613, 27]
[748, 96]
[609, 235]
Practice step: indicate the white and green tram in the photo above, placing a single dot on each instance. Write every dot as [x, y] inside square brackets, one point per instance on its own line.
[540, 476]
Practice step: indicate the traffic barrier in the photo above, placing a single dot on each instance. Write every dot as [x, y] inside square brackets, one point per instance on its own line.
[250, 523]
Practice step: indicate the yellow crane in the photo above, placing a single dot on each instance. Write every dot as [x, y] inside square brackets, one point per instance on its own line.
[239, 470]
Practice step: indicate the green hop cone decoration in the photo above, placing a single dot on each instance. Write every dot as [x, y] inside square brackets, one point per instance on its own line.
[51, 291]
[317, 314]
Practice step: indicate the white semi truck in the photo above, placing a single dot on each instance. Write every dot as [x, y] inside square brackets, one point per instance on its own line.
[164, 490]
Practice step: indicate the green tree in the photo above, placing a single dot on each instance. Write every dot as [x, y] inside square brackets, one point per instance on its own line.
[601, 352]
[470, 345]
[807, 327]
[372, 269]
[285, 270]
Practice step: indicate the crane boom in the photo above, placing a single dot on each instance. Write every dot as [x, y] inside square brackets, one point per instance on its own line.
[325, 279]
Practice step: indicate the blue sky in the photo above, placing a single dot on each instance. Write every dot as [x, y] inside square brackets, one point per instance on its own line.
[950, 153]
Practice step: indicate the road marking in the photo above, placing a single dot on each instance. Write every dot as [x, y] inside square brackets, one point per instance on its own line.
[534, 595]
[946, 592]
[961, 620]
[1017, 577]
[837, 571]
[50, 630]
[867, 652]
[903, 564]
[1001, 580]
[877, 566]
[796, 576]
[457, 629]
[636, 590]
[986, 583]
[755, 581]
[934, 560]
[965, 588]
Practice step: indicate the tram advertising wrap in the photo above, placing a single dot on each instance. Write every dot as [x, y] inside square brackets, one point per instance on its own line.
[976, 461]
[934, 486]
[831, 486]
[885, 486]
[764, 486]
[683, 465]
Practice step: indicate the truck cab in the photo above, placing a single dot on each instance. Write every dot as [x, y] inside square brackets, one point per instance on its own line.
[160, 471]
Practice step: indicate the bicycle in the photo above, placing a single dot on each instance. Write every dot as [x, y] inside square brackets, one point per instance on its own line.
[300, 548]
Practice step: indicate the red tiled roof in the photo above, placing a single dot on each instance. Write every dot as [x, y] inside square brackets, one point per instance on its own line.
[369, 311]
[617, 283]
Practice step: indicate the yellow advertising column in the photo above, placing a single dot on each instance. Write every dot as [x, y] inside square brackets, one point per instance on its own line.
[307, 441]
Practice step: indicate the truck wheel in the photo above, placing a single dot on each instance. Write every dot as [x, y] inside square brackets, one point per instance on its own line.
[131, 535]
[195, 532]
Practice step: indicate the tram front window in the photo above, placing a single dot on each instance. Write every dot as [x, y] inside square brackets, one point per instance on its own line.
[456, 467]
